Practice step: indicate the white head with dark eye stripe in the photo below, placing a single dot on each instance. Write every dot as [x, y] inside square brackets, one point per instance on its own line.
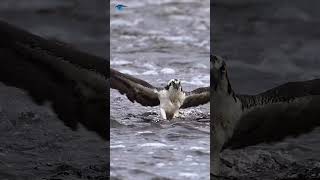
[218, 68]
[174, 85]
[219, 73]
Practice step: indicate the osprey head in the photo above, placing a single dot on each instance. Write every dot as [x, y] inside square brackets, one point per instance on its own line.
[174, 84]
[219, 73]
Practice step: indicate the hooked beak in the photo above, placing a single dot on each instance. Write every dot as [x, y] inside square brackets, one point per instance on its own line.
[175, 86]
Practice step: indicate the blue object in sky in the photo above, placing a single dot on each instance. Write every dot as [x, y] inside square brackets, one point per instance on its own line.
[120, 7]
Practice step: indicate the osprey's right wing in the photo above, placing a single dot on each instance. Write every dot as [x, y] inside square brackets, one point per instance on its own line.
[288, 110]
[135, 89]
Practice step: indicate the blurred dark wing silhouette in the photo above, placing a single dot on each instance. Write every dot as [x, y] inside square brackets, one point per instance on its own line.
[73, 81]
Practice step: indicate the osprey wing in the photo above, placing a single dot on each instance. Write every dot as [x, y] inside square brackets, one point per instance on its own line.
[196, 97]
[73, 81]
[290, 109]
[135, 89]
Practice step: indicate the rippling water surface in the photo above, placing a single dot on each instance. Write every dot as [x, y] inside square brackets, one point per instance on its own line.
[157, 41]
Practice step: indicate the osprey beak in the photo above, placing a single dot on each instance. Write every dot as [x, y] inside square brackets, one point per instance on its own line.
[176, 86]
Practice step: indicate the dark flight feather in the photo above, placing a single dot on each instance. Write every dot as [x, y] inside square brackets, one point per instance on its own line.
[196, 97]
[135, 89]
[288, 110]
[41, 67]
[144, 93]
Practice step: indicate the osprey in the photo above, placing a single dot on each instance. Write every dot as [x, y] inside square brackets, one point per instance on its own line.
[75, 83]
[243, 120]
[170, 98]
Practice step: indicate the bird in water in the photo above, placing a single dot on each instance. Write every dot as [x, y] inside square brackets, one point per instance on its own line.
[240, 120]
[170, 98]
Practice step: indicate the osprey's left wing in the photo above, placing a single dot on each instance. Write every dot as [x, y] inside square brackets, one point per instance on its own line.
[196, 97]
[135, 89]
[74, 82]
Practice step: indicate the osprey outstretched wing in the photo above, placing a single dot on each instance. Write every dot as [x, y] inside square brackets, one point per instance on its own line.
[197, 97]
[146, 94]
[73, 81]
[135, 89]
[287, 110]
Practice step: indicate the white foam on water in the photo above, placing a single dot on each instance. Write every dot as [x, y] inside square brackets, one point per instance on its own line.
[151, 72]
[122, 23]
[117, 62]
[149, 66]
[117, 146]
[188, 158]
[128, 37]
[199, 80]
[167, 71]
[144, 132]
[155, 32]
[195, 82]
[159, 165]
[201, 66]
[202, 27]
[203, 164]
[188, 175]
[197, 148]
[180, 17]
[178, 39]
[194, 164]
[153, 145]
[127, 71]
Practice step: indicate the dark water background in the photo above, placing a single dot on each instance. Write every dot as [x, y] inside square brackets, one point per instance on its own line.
[158, 41]
[268, 43]
[34, 144]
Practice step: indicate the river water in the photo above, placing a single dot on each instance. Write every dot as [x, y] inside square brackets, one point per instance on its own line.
[158, 41]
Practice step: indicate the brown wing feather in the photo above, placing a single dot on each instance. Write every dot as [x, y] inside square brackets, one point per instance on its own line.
[135, 89]
[283, 93]
[197, 97]
[73, 81]
[290, 109]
